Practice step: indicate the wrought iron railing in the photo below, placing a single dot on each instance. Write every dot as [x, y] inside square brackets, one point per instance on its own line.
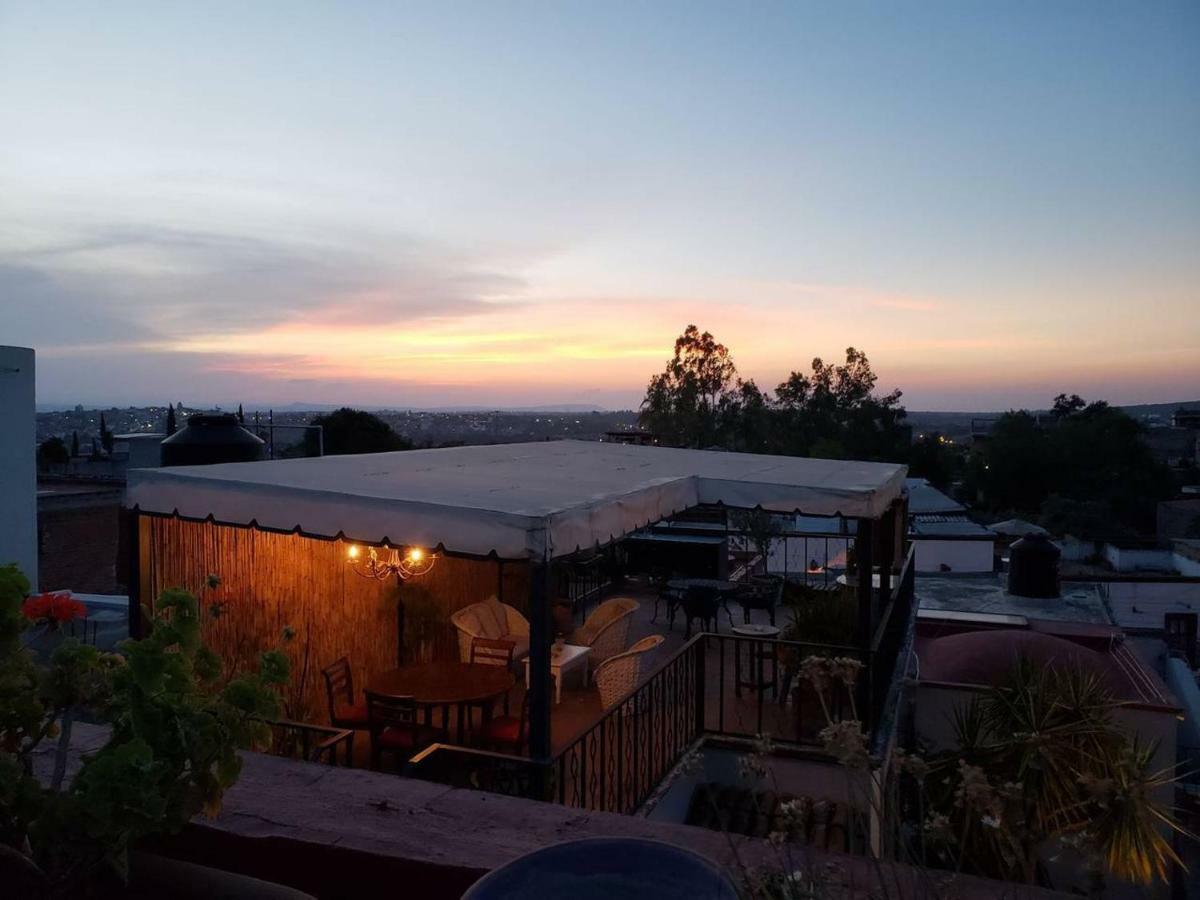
[892, 643]
[754, 688]
[1187, 769]
[619, 760]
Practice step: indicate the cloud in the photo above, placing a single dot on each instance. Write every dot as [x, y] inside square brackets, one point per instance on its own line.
[155, 286]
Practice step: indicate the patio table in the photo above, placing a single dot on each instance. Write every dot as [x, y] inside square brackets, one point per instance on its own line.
[760, 652]
[725, 588]
[570, 657]
[446, 684]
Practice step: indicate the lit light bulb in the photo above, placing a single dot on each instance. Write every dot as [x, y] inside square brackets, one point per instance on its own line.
[353, 551]
[416, 554]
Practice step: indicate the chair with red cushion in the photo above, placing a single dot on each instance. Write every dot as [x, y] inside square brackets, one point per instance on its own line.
[392, 723]
[493, 652]
[339, 691]
[507, 733]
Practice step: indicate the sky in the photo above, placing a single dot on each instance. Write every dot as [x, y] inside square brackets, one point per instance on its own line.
[512, 204]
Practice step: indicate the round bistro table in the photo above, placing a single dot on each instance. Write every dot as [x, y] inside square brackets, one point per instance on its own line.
[446, 684]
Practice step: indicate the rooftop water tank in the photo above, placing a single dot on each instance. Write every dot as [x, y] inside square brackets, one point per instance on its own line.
[211, 439]
[1033, 567]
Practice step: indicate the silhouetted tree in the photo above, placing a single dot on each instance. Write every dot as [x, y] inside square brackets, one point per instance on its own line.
[52, 452]
[74, 444]
[835, 412]
[698, 401]
[1090, 472]
[1065, 406]
[241, 415]
[171, 427]
[355, 431]
[683, 402]
[931, 458]
[106, 436]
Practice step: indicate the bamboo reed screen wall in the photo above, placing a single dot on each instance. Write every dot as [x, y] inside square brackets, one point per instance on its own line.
[270, 581]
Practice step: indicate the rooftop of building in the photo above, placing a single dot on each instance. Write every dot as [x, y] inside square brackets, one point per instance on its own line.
[955, 526]
[988, 593]
[956, 652]
[924, 498]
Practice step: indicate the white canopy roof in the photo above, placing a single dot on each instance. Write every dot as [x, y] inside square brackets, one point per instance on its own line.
[514, 500]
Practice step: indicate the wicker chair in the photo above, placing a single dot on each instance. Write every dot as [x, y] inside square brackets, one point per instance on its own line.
[618, 675]
[491, 619]
[606, 630]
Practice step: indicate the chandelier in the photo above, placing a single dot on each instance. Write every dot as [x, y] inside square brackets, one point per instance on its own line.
[413, 561]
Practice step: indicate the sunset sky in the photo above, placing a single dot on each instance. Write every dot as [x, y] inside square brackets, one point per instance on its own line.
[519, 203]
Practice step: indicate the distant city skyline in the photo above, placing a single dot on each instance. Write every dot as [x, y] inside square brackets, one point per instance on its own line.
[500, 205]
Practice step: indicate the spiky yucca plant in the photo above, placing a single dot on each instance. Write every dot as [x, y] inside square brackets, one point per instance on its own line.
[1040, 760]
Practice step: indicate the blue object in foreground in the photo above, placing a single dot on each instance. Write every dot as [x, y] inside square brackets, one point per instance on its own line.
[604, 868]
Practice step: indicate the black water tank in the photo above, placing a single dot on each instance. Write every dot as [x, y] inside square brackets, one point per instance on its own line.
[1033, 567]
[211, 439]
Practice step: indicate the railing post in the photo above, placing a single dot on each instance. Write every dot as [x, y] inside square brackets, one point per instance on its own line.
[699, 651]
[540, 633]
[863, 545]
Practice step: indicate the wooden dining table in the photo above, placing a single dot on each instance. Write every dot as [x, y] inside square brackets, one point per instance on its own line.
[445, 685]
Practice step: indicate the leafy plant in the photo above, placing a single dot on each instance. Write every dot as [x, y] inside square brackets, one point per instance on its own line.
[171, 753]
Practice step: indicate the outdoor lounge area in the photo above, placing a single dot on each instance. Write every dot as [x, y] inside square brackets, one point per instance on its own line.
[469, 616]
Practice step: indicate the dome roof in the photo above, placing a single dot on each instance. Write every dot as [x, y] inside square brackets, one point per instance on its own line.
[987, 657]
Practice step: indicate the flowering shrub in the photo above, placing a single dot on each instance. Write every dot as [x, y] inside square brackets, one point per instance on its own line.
[54, 610]
[175, 726]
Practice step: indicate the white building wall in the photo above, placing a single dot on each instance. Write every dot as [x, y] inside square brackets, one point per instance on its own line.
[18, 461]
[957, 556]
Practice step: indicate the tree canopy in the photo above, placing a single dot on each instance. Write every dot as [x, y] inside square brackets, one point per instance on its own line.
[52, 452]
[1086, 470]
[700, 401]
[356, 431]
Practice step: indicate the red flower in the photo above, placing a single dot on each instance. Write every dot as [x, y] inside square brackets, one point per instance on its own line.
[53, 609]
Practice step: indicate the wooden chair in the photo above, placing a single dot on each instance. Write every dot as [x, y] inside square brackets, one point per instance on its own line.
[394, 728]
[339, 694]
[507, 734]
[487, 651]
[493, 652]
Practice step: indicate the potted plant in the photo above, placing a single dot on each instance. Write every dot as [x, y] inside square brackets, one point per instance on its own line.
[423, 622]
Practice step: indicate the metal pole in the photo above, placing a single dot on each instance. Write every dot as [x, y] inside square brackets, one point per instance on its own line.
[863, 545]
[541, 634]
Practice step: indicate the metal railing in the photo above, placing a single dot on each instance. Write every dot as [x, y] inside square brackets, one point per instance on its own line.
[619, 760]
[481, 770]
[309, 742]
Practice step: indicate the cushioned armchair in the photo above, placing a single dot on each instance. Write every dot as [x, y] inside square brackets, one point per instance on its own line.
[491, 619]
[606, 630]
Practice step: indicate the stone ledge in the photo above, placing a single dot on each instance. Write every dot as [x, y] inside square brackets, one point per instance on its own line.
[334, 832]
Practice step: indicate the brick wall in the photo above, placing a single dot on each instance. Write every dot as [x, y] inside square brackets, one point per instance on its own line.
[77, 538]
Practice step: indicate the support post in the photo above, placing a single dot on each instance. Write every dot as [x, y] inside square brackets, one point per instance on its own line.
[864, 543]
[541, 633]
[887, 549]
[133, 549]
